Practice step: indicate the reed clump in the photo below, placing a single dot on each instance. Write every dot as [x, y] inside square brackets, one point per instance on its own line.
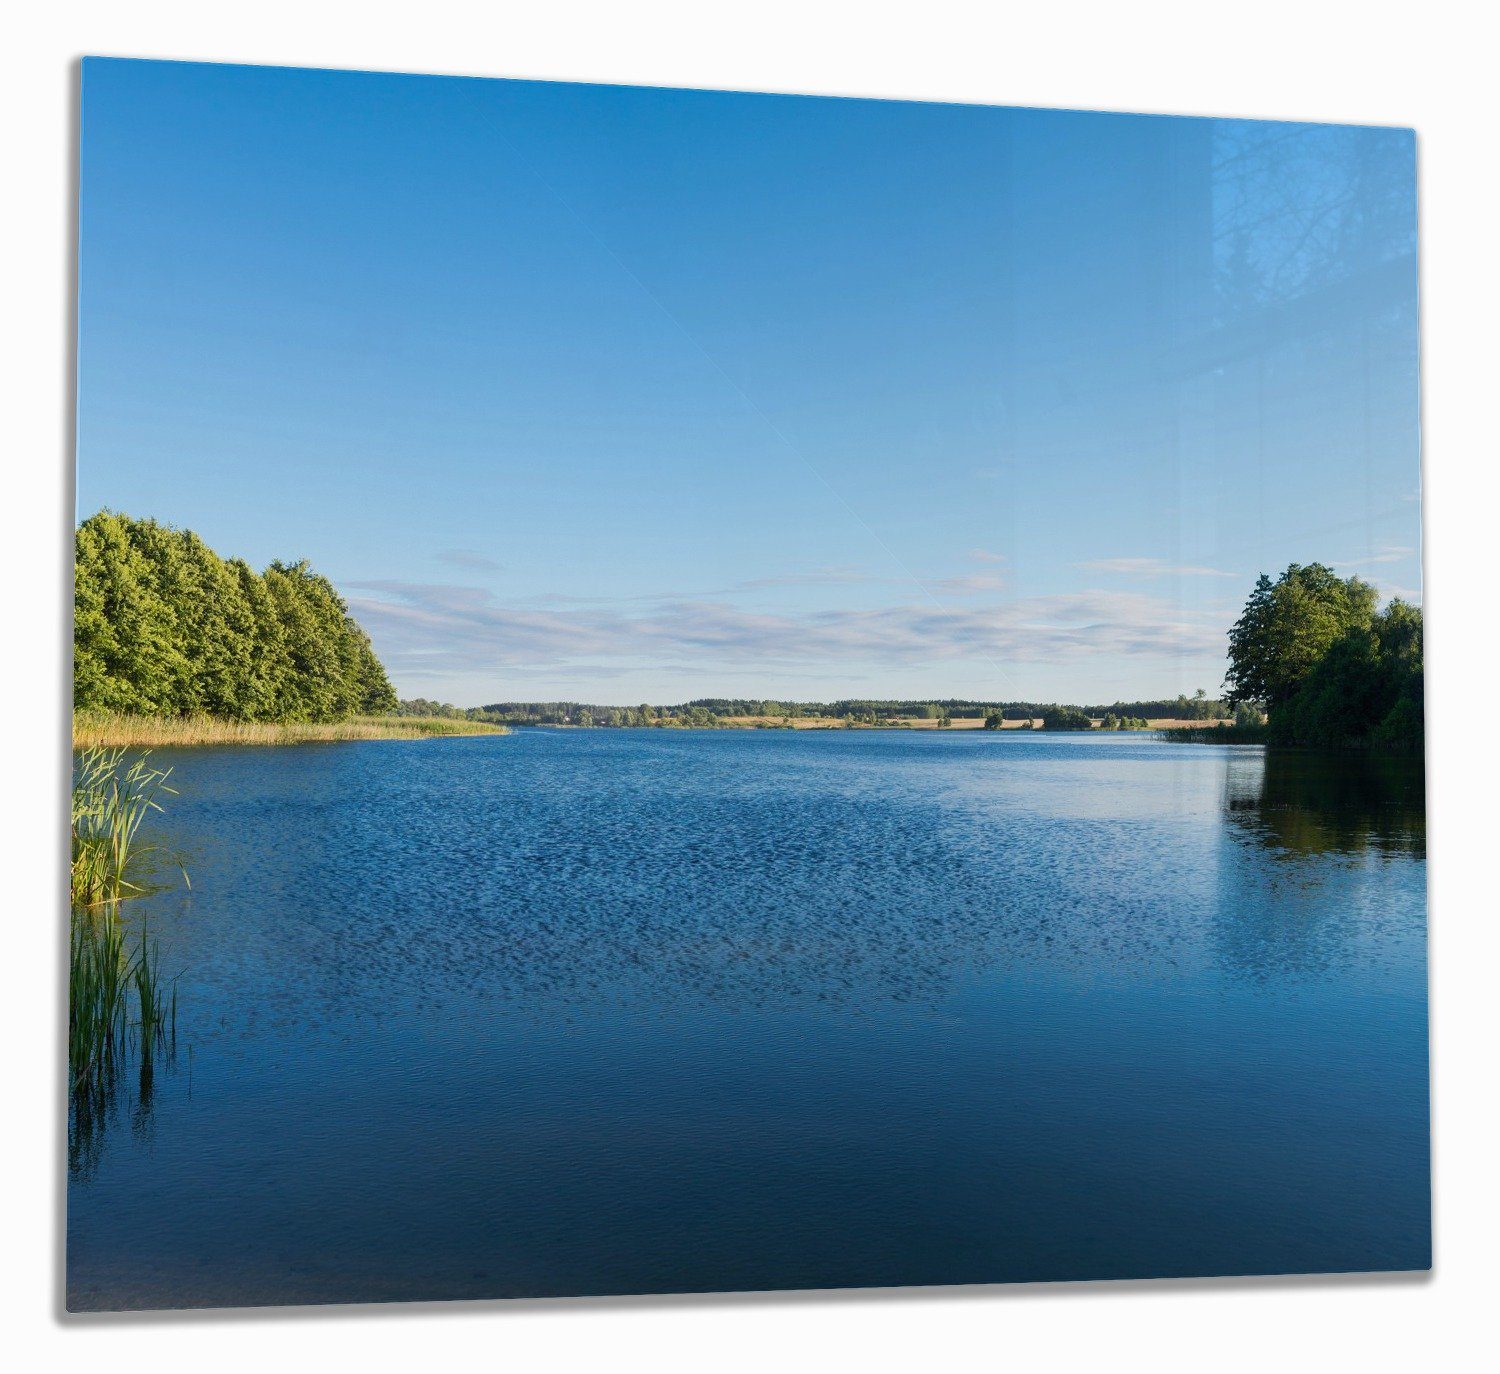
[1227, 733]
[106, 729]
[119, 1003]
[112, 796]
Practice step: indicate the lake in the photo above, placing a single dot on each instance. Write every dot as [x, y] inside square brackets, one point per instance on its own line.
[601, 1012]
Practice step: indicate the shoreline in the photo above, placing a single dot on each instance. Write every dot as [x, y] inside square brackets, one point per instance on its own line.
[113, 731]
[121, 730]
[1163, 725]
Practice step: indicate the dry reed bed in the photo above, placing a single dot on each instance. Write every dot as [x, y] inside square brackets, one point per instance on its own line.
[95, 730]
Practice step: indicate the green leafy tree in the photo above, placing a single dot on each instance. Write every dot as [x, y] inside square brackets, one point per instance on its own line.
[127, 640]
[268, 668]
[310, 691]
[164, 626]
[1330, 670]
[1367, 688]
[1248, 715]
[217, 626]
[1286, 628]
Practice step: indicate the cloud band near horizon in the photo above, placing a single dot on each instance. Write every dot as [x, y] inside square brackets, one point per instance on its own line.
[440, 629]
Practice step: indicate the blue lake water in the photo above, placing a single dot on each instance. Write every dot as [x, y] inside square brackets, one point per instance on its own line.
[597, 1012]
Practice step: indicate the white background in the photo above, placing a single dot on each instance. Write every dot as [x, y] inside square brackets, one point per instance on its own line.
[1430, 66]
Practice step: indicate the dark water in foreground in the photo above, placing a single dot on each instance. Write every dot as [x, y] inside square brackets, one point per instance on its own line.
[634, 1011]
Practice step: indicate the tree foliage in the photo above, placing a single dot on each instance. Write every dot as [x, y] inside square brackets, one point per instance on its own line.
[1065, 718]
[1286, 628]
[164, 626]
[1248, 716]
[1328, 668]
[1199, 706]
[1367, 689]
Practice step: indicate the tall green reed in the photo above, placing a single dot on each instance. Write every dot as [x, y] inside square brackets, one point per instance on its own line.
[112, 796]
[118, 1000]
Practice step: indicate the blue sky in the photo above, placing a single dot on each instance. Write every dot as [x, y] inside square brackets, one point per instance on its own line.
[625, 395]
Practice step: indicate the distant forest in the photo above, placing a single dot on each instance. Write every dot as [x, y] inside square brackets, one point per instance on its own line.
[711, 712]
[163, 626]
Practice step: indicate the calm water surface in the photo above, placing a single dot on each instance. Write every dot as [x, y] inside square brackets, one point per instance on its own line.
[597, 1012]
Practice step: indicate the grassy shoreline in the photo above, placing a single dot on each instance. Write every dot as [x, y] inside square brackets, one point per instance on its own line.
[1166, 724]
[1220, 734]
[109, 730]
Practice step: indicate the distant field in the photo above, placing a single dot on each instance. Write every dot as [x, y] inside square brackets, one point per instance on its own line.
[150, 732]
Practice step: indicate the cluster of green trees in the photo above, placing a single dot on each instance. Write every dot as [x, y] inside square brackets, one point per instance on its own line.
[585, 714]
[1065, 718]
[1199, 706]
[433, 710]
[883, 711]
[163, 626]
[688, 716]
[1328, 667]
[1071, 718]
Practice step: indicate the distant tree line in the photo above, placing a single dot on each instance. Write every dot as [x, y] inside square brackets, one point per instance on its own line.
[440, 710]
[709, 713]
[163, 626]
[714, 712]
[1328, 668]
[1199, 706]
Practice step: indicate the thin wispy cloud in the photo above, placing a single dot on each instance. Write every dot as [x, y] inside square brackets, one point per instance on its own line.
[469, 559]
[972, 584]
[453, 629]
[987, 556]
[818, 577]
[1389, 591]
[1152, 567]
[1388, 554]
[821, 577]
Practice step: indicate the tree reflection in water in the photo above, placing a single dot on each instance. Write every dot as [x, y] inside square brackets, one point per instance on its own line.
[1302, 802]
[1345, 886]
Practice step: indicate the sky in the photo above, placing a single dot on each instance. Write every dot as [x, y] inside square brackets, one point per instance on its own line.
[618, 394]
